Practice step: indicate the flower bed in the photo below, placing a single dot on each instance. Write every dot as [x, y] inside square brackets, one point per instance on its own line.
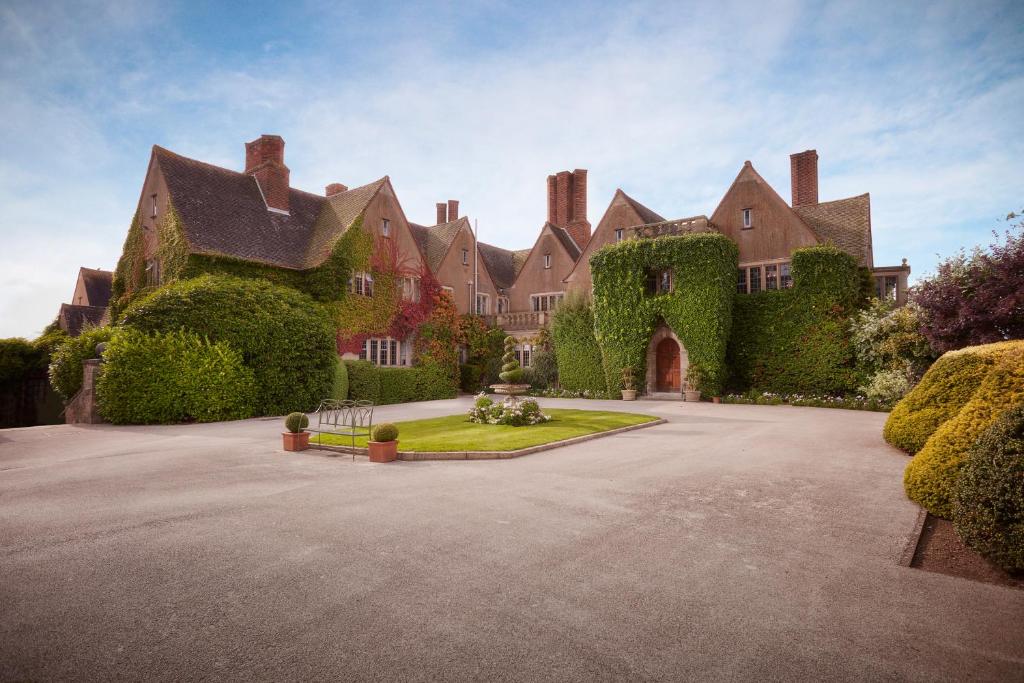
[808, 400]
[511, 411]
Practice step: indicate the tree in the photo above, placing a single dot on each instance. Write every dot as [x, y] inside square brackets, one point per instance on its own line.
[977, 298]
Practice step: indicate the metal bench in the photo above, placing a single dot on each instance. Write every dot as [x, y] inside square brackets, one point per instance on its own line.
[344, 418]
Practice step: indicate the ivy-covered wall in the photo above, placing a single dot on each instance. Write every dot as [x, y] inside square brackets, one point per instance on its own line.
[579, 357]
[797, 340]
[698, 308]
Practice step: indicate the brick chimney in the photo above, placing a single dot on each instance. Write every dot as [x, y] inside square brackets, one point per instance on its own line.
[442, 213]
[803, 170]
[335, 188]
[264, 160]
[453, 209]
[567, 204]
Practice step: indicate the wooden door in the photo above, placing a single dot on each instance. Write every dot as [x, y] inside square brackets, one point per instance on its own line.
[667, 366]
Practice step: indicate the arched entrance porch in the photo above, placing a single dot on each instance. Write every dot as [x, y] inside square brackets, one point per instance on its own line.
[667, 363]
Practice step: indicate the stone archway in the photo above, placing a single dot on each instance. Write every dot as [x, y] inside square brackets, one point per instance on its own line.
[672, 366]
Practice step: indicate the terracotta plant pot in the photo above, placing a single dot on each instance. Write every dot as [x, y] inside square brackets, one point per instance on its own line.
[383, 451]
[716, 399]
[295, 441]
[629, 394]
[692, 395]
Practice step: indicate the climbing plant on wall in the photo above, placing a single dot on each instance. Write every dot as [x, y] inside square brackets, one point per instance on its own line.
[697, 305]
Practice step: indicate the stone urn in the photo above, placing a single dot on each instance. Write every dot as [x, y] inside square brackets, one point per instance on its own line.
[692, 395]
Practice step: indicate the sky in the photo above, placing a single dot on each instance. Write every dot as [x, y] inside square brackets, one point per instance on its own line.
[917, 103]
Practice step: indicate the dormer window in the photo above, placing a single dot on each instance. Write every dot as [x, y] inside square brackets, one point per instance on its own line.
[620, 234]
[748, 218]
[465, 257]
[385, 227]
[547, 260]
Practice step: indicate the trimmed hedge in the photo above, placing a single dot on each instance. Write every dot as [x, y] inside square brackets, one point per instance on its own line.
[66, 363]
[947, 385]
[930, 477]
[18, 358]
[339, 388]
[578, 357]
[698, 309]
[284, 336]
[172, 377]
[797, 340]
[988, 504]
[384, 385]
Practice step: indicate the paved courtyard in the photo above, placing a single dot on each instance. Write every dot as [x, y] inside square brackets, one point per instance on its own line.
[734, 542]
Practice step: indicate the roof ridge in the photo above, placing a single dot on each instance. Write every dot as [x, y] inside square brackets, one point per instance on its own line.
[833, 201]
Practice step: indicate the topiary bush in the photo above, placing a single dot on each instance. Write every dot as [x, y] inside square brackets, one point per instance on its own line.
[947, 385]
[385, 431]
[988, 503]
[284, 336]
[172, 377]
[66, 362]
[578, 357]
[339, 388]
[511, 372]
[930, 477]
[296, 422]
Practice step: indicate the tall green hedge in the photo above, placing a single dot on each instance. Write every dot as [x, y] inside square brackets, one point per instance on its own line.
[383, 386]
[579, 356]
[172, 377]
[698, 309]
[284, 336]
[797, 340]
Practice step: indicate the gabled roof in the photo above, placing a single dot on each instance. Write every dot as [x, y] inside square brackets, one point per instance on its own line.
[568, 243]
[843, 222]
[646, 215]
[436, 240]
[337, 214]
[502, 265]
[223, 213]
[97, 285]
[73, 319]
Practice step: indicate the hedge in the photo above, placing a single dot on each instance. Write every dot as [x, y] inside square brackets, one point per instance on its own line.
[18, 358]
[576, 350]
[384, 385]
[283, 335]
[66, 363]
[172, 377]
[930, 477]
[797, 340]
[698, 309]
[947, 385]
[339, 387]
[988, 504]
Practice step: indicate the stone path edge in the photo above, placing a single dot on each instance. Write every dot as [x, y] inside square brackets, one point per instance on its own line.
[493, 455]
[913, 540]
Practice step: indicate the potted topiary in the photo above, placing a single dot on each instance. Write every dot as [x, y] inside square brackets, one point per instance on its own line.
[694, 380]
[295, 439]
[384, 444]
[628, 384]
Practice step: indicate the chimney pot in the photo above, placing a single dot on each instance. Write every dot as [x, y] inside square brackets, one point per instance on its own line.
[453, 209]
[335, 188]
[442, 213]
[803, 168]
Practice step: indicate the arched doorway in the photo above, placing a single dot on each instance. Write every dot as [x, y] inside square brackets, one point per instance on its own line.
[666, 364]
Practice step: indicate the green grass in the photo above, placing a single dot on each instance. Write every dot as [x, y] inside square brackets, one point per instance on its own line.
[457, 433]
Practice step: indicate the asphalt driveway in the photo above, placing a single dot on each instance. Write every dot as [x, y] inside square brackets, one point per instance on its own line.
[734, 542]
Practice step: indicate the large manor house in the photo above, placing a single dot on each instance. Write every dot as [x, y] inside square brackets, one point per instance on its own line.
[257, 216]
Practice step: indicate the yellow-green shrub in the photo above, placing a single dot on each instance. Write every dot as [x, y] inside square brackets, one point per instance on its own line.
[930, 477]
[942, 392]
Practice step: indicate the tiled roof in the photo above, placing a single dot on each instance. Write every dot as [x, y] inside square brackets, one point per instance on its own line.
[336, 215]
[434, 241]
[646, 215]
[678, 226]
[567, 241]
[97, 286]
[223, 213]
[73, 319]
[502, 264]
[845, 223]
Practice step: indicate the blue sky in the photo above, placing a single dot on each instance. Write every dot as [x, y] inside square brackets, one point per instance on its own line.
[917, 103]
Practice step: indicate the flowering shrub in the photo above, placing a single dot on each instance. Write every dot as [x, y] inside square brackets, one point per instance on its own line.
[553, 392]
[856, 402]
[512, 412]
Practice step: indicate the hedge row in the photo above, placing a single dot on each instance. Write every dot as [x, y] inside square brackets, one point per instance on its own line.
[578, 355]
[284, 336]
[66, 363]
[931, 476]
[382, 385]
[173, 377]
[797, 340]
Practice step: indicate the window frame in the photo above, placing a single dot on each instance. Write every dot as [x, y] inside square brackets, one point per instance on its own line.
[487, 303]
[550, 300]
[465, 256]
[748, 218]
[394, 352]
[620, 234]
[547, 261]
[385, 227]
